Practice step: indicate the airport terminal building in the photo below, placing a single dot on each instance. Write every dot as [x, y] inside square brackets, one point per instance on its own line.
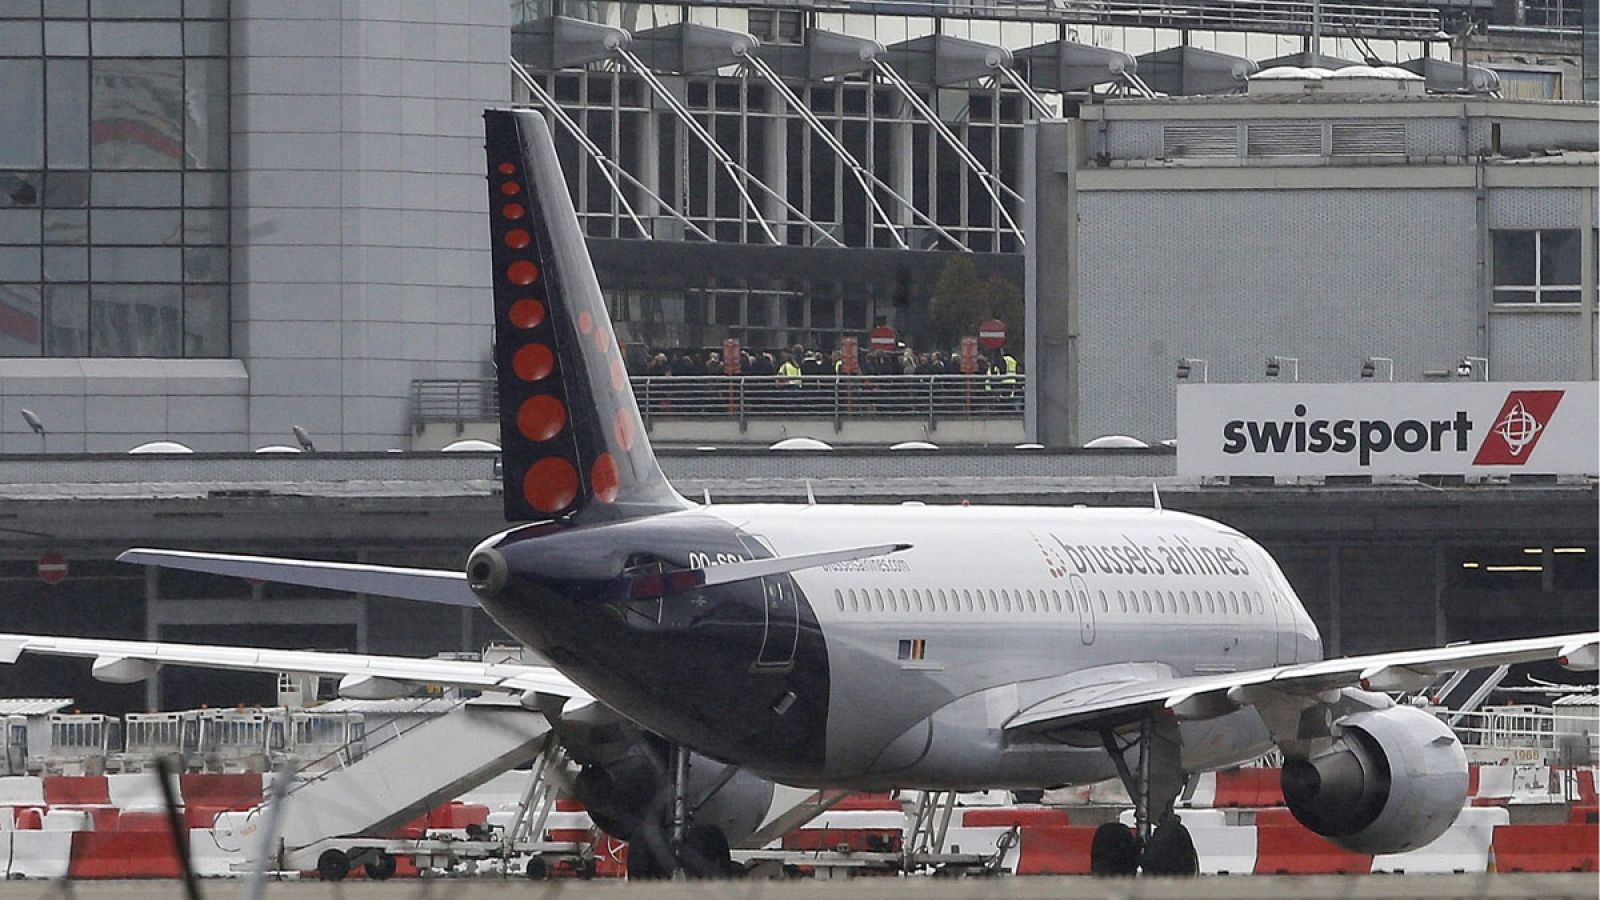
[222, 221]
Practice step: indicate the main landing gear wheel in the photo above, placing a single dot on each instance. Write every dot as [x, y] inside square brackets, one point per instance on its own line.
[1170, 850]
[705, 853]
[382, 867]
[333, 865]
[1114, 851]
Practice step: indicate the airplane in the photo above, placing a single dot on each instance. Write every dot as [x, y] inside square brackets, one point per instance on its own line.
[702, 652]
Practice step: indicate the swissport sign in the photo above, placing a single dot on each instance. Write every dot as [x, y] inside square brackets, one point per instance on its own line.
[1459, 428]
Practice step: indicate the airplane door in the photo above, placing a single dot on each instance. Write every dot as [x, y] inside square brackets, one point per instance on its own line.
[780, 634]
[1080, 594]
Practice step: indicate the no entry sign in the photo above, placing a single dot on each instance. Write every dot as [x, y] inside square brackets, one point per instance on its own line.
[881, 338]
[992, 334]
[52, 568]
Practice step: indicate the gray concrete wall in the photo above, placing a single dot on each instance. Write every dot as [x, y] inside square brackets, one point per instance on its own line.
[1328, 277]
[359, 247]
[1131, 266]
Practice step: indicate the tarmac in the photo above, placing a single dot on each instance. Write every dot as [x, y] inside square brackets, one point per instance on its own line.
[1317, 887]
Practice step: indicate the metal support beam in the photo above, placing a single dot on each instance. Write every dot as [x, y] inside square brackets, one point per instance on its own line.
[736, 172]
[865, 177]
[991, 183]
[610, 169]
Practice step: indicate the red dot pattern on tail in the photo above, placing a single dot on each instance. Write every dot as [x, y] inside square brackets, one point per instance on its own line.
[541, 418]
[550, 485]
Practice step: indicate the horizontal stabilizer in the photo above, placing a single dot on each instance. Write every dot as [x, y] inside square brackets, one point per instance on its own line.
[665, 583]
[426, 585]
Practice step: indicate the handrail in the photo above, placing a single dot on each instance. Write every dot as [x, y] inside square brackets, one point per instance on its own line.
[837, 397]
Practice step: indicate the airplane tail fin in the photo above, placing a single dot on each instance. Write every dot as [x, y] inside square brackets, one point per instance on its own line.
[572, 441]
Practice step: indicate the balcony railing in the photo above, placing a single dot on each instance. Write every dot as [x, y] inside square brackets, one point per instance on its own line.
[929, 398]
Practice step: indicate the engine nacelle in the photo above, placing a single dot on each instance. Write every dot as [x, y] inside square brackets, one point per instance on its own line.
[1394, 780]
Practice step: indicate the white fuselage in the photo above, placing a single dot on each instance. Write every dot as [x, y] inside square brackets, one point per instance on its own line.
[932, 649]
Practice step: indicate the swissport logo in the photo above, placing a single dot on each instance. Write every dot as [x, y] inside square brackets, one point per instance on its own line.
[1518, 427]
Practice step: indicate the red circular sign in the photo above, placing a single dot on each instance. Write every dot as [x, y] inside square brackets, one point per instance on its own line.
[881, 338]
[992, 334]
[52, 568]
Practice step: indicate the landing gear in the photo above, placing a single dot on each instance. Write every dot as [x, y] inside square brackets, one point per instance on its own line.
[1170, 850]
[1159, 844]
[1114, 851]
[668, 846]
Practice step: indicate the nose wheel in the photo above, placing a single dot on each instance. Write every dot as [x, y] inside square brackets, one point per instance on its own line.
[1159, 844]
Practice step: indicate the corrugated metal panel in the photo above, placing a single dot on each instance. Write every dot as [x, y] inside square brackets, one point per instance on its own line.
[1284, 139]
[1178, 141]
[32, 706]
[1369, 139]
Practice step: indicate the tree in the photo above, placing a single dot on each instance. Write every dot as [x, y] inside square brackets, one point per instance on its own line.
[960, 301]
[1007, 304]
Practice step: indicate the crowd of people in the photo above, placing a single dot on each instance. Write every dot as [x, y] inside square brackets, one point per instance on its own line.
[800, 361]
[798, 379]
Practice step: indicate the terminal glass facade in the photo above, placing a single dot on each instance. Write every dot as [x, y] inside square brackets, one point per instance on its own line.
[114, 178]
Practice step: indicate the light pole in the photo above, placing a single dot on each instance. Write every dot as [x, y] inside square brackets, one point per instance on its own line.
[1275, 364]
[1187, 365]
[1369, 366]
[1471, 364]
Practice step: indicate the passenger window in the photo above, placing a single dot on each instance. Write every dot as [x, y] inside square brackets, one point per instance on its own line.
[838, 598]
[1161, 603]
[1211, 603]
[877, 596]
[944, 601]
[1233, 602]
[1122, 601]
[1005, 600]
[1261, 608]
[1104, 606]
[1033, 605]
[966, 599]
[916, 600]
[1055, 600]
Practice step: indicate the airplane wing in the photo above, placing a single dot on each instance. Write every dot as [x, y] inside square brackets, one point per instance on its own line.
[136, 660]
[427, 585]
[1208, 696]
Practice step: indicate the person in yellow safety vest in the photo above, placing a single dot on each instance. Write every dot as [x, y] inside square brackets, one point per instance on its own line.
[1008, 378]
[789, 372]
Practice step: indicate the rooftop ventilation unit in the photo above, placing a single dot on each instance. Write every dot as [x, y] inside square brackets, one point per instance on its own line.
[1348, 80]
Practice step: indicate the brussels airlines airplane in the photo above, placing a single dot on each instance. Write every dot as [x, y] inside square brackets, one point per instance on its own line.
[849, 646]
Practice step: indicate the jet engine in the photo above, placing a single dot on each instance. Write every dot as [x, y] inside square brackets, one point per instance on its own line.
[1393, 780]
